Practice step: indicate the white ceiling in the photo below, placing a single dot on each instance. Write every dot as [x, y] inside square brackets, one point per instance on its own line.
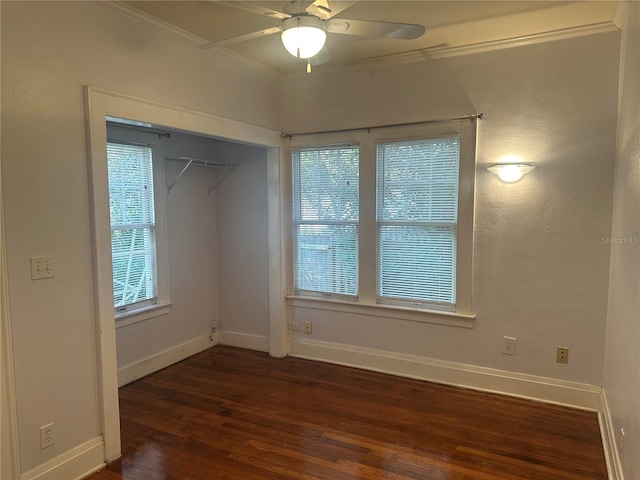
[449, 25]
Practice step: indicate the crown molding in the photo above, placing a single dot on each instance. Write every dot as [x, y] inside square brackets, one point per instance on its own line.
[621, 13]
[426, 54]
[415, 56]
[143, 17]
[536, 38]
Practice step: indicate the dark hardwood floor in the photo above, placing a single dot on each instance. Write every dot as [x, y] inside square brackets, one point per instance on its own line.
[228, 413]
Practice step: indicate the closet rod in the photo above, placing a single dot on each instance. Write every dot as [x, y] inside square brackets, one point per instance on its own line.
[194, 161]
[198, 161]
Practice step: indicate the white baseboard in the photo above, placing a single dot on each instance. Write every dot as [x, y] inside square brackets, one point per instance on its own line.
[607, 430]
[532, 387]
[161, 360]
[245, 340]
[74, 464]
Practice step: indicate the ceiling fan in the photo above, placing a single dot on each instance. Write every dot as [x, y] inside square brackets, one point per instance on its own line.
[305, 24]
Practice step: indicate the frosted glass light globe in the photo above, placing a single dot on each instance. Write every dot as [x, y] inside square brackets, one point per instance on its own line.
[303, 36]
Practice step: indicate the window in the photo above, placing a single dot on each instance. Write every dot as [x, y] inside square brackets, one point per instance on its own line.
[133, 229]
[388, 224]
[325, 220]
[417, 210]
[138, 248]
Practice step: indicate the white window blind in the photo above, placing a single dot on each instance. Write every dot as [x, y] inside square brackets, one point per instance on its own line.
[133, 230]
[325, 220]
[417, 209]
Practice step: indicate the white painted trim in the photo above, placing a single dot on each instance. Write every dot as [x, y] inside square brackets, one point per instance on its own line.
[99, 104]
[379, 310]
[550, 390]
[534, 39]
[161, 360]
[140, 16]
[621, 13]
[278, 335]
[9, 448]
[259, 343]
[140, 315]
[426, 54]
[74, 464]
[607, 430]
[388, 60]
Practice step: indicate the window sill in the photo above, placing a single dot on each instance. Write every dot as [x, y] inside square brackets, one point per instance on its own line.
[389, 311]
[142, 314]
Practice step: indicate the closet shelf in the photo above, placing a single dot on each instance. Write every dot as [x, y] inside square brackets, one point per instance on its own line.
[200, 163]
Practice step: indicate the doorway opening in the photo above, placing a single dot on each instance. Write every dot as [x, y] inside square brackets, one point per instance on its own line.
[191, 130]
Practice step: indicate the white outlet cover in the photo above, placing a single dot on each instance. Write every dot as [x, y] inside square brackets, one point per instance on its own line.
[509, 346]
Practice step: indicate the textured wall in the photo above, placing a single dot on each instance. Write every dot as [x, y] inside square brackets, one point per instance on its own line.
[243, 271]
[541, 267]
[49, 51]
[191, 229]
[622, 365]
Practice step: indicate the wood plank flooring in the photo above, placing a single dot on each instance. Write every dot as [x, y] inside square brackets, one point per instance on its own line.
[228, 413]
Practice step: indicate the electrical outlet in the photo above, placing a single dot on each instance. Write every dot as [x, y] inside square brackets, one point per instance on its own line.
[307, 327]
[46, 436]
[41, 267]
[509, 346]
[295, 326]
[562, 355]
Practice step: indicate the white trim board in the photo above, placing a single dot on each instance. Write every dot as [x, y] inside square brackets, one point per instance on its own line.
[607, 431]
[74, 464]
[244, 340]
[140, 16]
[388, 60]
[550, 390]
[161, 360]
[418, 56]
[99, 104]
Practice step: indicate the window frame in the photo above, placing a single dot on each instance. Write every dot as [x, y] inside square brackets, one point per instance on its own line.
[366, 303]
[298, 221]
[139, 311]
[423, 223]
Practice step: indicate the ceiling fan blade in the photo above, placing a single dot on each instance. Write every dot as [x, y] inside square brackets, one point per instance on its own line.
[320, 9]
[241, 38]
[297, 7]
[337, 7]
[249, 7]
[367, 28]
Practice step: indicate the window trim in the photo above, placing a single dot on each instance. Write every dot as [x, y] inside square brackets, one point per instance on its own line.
[297, 221]
[145, 310]
[366, 303]
[407, 302]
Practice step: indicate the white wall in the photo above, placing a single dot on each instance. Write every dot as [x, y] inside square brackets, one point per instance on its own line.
[622, 361]
[191, 227]
[541, 268]
[243, 270]
[49, 51]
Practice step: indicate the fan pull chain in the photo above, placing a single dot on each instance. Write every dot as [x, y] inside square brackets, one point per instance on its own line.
[308, 65]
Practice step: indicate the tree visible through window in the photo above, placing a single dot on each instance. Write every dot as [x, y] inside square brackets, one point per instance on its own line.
[325, 217]
[133, 232]
[411, 243]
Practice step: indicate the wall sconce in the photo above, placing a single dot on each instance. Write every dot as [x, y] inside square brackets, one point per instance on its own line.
[510, 172]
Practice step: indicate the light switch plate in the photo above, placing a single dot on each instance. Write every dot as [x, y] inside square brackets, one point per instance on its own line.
[41, 267]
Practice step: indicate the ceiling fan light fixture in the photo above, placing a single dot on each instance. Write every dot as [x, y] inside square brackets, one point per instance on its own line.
[303, 36]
